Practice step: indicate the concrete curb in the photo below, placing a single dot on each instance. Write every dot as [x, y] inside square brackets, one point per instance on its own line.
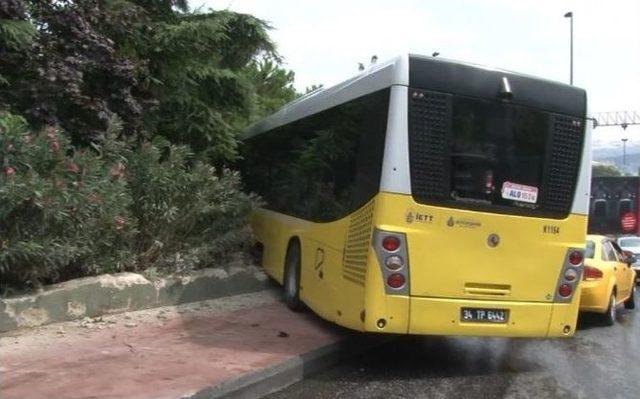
[123, 292]
[280, 376]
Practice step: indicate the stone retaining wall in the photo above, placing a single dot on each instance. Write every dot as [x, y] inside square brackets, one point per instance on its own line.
[122, 292]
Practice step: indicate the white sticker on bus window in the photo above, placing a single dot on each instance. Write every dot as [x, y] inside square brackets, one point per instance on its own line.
[519, 192]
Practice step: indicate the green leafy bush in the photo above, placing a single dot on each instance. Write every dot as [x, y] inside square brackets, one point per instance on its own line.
[63, 213]
[67, 212]
[189, 215]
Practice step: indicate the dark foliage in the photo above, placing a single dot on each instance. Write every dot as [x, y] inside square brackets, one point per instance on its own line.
[160, 68]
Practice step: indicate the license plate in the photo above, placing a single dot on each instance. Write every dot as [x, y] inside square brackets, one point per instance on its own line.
[484, 315]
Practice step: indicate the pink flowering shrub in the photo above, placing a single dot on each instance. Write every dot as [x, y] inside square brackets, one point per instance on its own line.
[67, 212]
[61, 214]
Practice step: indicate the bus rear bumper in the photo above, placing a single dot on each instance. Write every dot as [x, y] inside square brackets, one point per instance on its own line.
[439, 316]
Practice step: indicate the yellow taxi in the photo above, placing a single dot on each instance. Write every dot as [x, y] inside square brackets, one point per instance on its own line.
[608, 279]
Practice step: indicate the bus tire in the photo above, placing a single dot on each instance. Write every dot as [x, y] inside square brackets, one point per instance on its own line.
[291, 281]
[609, 317]
[630, 303]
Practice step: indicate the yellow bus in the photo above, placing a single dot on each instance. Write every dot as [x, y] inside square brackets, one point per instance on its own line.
[426, 196]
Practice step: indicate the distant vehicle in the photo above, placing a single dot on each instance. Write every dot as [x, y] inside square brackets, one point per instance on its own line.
[608, 279]
[427, 196]
[632, 244]
[614, 208]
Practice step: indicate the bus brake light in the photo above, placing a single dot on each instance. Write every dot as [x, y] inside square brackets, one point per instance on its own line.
[575, 258]
[391, 243]
[396, 280]
[565, 290]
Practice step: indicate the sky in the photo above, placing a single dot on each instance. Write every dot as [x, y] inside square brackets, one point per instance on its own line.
[323, 42]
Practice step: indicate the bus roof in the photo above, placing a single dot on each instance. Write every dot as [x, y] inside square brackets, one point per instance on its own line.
[376, 77]
[385, 74]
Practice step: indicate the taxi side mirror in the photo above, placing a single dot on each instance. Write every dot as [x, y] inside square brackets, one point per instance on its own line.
[630, 258]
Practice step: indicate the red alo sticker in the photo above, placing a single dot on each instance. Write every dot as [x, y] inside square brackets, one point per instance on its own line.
[519, 192]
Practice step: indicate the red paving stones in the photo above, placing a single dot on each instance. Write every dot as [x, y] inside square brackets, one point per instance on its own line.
[157, 359]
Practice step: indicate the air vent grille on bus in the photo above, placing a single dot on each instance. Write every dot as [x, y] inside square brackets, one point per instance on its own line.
[429, 121]
[564, 161]
[357, 248]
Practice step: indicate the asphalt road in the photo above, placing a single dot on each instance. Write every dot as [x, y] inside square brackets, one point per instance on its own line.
[599, 362]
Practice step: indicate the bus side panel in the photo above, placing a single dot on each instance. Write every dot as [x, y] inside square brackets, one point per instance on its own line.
[324, 286]
[326, 291]
[318, 269]
[274, 231]
[350, 297]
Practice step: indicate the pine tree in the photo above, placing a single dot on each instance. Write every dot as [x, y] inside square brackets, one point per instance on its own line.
[156, 65]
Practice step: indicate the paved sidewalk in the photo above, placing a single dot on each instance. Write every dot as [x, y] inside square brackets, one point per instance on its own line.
[167, 352]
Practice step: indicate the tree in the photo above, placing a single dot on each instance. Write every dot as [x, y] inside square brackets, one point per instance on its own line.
[273, 86]
[313, 88]
[67, 71]
[600, 169]
[162, 69]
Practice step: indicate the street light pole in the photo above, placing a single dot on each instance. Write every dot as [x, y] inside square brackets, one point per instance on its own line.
[570, 16]
[624, 151]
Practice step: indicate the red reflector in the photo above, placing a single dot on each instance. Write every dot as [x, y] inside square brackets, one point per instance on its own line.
[591, 273]
[628, 222]
[575, 258]
[391, 243]
[565, 290]
[396, 280]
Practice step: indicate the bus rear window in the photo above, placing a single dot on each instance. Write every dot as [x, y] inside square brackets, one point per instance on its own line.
[492, 156]
[497, 153]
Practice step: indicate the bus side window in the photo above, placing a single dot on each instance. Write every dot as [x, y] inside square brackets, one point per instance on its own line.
[600, 209]
[624, 206]
[324, 166]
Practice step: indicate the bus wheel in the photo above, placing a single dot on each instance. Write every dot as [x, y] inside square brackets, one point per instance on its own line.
[630, 303]
[292, 277]
[609, 317]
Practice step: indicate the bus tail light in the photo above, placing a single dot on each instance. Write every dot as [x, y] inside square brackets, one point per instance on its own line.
[569, 275]
[575, 258]
[591, 273]
[395, 280]
[391, 243]
[565, 290]
[392, 253]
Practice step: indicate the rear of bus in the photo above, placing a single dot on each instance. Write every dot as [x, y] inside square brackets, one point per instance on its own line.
[479, 228]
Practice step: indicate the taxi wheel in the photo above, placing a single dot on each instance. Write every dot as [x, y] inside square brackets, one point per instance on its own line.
[292, 277]
[609, 317]
[631, 302]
